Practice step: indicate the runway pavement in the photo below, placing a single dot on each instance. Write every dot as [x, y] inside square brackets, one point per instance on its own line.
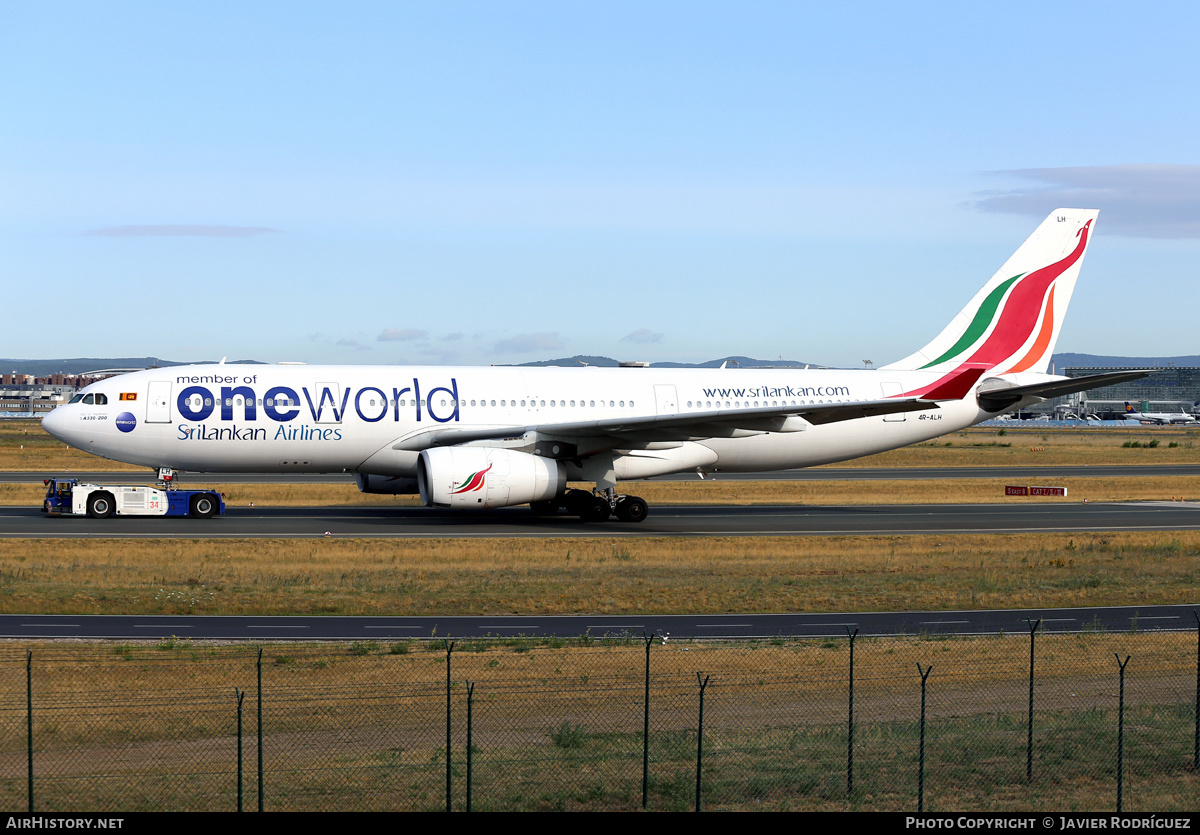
[673, 627]
[664, 520]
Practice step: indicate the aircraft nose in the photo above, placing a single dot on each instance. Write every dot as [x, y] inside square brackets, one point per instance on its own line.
[55, 424]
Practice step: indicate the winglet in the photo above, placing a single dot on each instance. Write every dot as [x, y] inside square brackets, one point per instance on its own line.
[958, 385]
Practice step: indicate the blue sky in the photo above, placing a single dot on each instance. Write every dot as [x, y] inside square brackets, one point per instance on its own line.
[500, 182]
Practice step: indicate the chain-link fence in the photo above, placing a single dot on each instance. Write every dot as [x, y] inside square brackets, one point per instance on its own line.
[999, 723]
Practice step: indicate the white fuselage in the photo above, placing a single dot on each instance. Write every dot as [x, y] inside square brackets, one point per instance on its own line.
[300, 418]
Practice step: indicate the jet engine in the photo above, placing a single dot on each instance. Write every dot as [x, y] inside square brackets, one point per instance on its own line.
[464, 477]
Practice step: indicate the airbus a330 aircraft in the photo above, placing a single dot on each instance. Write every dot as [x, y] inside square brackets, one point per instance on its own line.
[493, 437]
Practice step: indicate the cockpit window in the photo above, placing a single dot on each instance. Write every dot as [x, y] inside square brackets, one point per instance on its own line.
[88, 399]
[101, 400]
[77, 398]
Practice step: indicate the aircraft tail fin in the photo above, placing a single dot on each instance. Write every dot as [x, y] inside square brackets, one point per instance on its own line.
[1012, 324]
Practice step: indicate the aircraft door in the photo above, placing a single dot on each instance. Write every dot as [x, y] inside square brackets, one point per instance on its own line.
[666, 402]
[158, 402]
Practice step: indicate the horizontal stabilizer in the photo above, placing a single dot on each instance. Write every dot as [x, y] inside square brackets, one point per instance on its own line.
[998, 399]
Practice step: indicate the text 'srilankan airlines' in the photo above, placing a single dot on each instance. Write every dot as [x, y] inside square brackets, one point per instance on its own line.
[493, 437]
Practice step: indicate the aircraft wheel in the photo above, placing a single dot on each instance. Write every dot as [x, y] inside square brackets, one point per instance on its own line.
[632, 509]
[597, 511]
[549, 508]
[203, 506]
[100, 505]
[577, 502]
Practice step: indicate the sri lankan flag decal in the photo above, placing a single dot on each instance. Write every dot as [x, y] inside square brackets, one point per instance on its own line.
[472, 483]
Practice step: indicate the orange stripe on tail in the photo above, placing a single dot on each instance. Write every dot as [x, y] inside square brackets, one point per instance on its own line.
[1043, 338]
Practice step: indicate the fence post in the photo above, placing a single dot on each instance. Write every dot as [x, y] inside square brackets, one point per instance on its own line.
[240, 695]
[470, 701]
[1121, 733]
[29, 725]
[1029, 742]
[921, 765]
[700, 738]
[850, 720]
[449, 650]
[260, 733]
[646, 729]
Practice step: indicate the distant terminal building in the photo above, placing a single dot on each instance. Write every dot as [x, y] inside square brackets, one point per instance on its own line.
[1168, 389]
[26, 396]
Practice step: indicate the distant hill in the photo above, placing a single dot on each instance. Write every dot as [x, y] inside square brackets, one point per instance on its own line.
[82, 365]
[1062, 361]
[608, 362]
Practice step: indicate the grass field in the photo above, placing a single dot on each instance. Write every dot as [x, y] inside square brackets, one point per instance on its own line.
[552, 576]
[360, 726]
[500, 576]
[24, 446]
[557, 724]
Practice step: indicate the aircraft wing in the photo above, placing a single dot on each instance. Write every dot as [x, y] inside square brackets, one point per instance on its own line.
[724, 423]
[721, 423]
[1001, 398]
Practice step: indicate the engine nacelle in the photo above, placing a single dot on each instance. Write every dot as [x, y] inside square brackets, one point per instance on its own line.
[394, 485]
[481, 477]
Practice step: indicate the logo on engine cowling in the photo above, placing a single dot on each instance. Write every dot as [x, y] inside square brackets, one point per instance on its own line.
[126, 421]
[472, 483]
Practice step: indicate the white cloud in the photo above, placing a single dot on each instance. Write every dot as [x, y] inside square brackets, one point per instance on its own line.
[1136, 201]
[193, 231]
[643, 336]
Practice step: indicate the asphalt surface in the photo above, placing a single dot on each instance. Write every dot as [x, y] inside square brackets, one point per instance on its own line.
[407, 522]
[664, 520]
[203, 627]
[810, 474]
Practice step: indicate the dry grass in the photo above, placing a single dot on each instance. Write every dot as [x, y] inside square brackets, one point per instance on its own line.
[552, 576]
[24, 446]
[557, 724]
[984, 447]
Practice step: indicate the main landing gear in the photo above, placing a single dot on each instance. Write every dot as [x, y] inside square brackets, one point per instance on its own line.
[595, 507]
